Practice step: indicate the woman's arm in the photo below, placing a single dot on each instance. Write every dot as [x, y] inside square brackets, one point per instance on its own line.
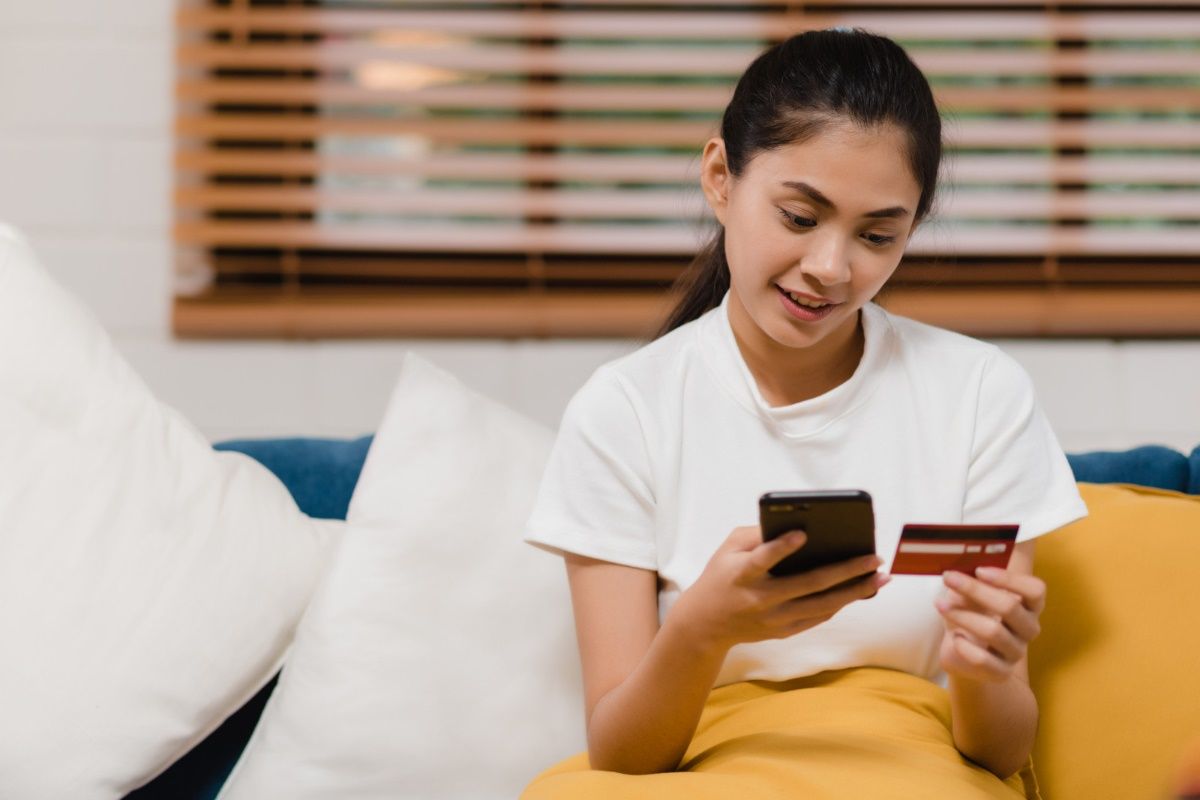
[645, 686]
[990, 621]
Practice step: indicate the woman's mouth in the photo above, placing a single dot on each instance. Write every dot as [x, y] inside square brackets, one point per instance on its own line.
[805, 308]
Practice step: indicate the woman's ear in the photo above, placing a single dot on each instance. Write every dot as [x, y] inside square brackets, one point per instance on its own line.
[715, 179]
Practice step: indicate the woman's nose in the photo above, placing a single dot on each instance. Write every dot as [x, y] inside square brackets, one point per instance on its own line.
[827, 261]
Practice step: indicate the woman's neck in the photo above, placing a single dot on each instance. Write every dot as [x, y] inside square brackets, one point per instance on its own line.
[789, 375]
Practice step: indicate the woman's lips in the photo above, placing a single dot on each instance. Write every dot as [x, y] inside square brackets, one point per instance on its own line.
[804, 313]
[812, 298]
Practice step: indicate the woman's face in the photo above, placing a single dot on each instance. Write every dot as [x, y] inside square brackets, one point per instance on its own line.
[813, 230]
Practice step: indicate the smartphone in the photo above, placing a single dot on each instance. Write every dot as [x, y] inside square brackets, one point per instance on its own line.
[840, 525]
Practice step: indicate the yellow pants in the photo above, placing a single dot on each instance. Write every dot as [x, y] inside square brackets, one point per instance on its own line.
[851, 734]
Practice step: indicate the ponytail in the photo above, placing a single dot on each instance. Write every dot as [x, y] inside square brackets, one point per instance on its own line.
[701, 287]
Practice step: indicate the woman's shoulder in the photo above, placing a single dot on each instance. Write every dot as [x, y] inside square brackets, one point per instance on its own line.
[931, 351]
[917, 339]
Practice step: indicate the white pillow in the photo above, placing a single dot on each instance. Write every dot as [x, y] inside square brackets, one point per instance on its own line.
[148, 585]
[437, 659]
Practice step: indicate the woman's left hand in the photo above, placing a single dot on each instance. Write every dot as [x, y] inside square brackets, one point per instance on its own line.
[990, 620]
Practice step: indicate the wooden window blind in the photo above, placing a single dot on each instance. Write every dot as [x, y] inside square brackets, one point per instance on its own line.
[375, 168]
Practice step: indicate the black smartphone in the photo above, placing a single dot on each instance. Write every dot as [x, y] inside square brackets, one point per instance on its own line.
[840, 525]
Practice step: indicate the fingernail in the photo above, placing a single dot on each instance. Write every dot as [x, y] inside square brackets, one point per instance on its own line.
[990, 573]
[954, 579]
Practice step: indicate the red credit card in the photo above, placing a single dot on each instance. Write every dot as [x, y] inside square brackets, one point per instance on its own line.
[934, 549]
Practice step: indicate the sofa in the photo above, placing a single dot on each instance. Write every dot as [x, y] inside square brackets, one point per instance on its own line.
[321, 475]
[153, 585]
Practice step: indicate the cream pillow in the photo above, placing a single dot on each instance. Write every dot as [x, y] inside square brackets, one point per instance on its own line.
[148, 585]
[438, 657]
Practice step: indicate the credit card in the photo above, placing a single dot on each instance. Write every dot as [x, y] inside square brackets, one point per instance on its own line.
[934, 549]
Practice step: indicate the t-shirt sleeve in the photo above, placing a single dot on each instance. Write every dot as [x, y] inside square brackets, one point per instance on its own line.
[1018, 473]
[596, 498]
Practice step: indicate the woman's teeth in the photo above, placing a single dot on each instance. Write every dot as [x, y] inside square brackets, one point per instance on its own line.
[800, 301]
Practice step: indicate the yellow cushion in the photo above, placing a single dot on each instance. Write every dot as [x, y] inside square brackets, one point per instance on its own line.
[1116, 669]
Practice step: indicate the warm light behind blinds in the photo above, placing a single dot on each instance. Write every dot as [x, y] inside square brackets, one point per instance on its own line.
[374, 168]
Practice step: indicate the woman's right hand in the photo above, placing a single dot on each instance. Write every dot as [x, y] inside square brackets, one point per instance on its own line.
[736, 599]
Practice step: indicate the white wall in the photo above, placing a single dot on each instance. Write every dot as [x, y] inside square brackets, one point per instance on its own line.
[88, 179]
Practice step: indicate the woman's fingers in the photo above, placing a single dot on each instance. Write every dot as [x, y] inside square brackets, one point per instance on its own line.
[1000, 590]
[812, 581]
[792, 603]
[968, 658]
[743, 539]
[1007, 605]
[1030, 588]
[825, 604]
[986, 631]
[768, 554]
[970, 594]
[1024, 625]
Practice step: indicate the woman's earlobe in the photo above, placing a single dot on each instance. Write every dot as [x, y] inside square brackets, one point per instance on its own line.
[716, 191]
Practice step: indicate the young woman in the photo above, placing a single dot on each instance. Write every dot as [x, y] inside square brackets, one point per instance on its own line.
[706, 676]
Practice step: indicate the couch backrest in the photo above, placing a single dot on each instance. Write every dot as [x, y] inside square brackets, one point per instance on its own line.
[321, 473]
[1150, 465]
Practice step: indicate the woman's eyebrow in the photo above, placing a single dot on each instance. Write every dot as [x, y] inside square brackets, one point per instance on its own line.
[813, 194]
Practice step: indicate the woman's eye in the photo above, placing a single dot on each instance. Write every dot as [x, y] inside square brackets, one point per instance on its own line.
[797, 222]
[878, 239]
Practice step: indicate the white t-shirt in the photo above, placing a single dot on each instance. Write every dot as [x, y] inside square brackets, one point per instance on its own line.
[665, 451]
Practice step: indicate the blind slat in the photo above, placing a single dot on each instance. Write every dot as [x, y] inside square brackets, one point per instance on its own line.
[619, 98]
[999, 133]
[462, 166]
[1017, 311]
[665, 205]
[664, 240]
[658, 168]
[1032, 59]
[718, 26]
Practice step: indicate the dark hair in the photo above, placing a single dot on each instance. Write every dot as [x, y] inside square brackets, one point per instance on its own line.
[789, 94]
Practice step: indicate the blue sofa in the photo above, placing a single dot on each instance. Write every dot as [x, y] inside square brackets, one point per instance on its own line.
[321, 474]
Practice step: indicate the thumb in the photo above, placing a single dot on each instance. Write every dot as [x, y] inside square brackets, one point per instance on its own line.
[742, 539]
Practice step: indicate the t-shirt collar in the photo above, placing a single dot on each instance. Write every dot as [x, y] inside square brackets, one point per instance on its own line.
[809, 416]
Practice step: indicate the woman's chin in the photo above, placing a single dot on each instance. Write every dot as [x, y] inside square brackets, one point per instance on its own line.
[791, 332]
